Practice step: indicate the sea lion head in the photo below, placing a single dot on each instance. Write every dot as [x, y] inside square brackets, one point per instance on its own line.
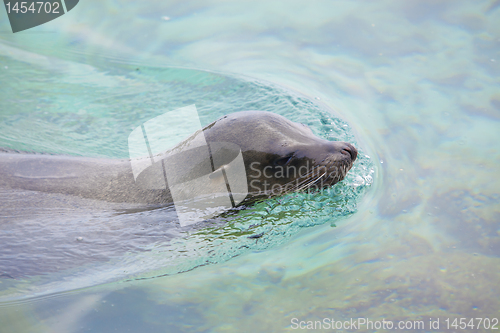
[282, 156]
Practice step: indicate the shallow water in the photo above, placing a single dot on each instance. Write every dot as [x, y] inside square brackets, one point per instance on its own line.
[416, 81]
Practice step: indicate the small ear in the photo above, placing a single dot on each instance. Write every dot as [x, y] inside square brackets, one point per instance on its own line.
[306, 126]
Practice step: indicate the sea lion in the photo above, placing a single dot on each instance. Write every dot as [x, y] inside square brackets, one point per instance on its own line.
[66, 211]
[279, 156]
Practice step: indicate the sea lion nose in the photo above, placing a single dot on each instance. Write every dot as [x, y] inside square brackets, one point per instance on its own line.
[351, 150]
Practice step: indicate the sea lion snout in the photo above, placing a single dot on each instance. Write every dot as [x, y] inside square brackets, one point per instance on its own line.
[351, 150]
[342, 149]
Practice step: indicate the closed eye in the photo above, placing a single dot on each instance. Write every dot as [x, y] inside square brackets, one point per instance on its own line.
[283, 160]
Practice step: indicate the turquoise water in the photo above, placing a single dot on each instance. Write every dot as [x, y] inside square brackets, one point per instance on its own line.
[417, 83]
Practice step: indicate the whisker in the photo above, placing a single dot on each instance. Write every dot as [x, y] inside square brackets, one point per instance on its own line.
[306, 180]
[311, 182]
